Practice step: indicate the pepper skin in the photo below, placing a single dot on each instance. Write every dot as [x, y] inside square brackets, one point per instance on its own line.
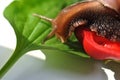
[98, 47]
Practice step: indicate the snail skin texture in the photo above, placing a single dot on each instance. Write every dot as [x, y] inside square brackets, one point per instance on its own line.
[100, 16]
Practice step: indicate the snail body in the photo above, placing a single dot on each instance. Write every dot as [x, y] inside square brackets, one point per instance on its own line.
[97, 17]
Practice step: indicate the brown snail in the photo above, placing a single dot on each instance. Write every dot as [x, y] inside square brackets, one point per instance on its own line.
[98, 15]
[96, 23]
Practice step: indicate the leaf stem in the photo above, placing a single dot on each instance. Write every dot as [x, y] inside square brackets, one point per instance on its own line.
[13, 59]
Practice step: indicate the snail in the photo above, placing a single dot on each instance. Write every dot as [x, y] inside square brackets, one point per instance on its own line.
[98, 15]
[101, 17]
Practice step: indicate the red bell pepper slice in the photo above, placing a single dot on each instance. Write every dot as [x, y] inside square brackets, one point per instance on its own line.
[98, 47]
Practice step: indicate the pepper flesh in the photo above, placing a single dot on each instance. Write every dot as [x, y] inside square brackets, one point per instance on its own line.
[98, 47]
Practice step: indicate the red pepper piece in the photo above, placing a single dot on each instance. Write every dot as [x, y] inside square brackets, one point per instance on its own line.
[98, 47]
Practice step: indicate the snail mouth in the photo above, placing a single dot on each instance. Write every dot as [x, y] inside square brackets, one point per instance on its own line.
[98, 47]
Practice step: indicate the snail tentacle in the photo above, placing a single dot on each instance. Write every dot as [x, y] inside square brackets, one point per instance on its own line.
[43, 17]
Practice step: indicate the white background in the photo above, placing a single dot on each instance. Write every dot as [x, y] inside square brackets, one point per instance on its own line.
[49, 67]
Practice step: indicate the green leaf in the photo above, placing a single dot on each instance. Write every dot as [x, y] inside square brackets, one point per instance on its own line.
[30, 31]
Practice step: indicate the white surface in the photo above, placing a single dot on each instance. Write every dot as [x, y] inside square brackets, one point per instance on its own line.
[7, 36]
[109, 73]
[55, 67]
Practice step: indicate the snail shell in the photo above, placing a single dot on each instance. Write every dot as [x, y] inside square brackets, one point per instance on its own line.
[113, 4]
[100, 16]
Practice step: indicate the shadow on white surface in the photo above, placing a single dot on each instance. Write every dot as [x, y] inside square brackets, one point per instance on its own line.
[57, 67]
